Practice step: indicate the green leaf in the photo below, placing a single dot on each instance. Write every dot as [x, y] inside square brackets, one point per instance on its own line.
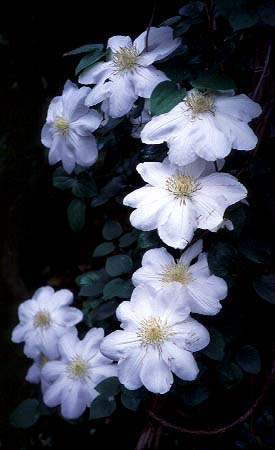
[109, 387]
[240, 20]
[148, 239]
[102, 407]
[192, 9]
[103, 249]
[265, 287]
[221, 258]
[85, 49]
[195, 394]
[87, 278]
[165, 96]
[128, 238]
[257, 251]
[85, 187]
[26, 414]
[213, 80]
[62, 180]
[249, 359]
[118, 288]
[131, 403]
[111, 230]
[93, 283]
[266, 12]
[106, 310]
[216, 347]
[118, 264]
[230, 375]
[76, 215]
[90, 59]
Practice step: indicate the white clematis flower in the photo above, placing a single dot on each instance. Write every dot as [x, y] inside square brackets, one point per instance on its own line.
[34, 374]
[178, 200]
[73, 379]
[201, 290]
[130, 72]
[158, 338]
[204, 125]
[43, 320]
[68, 129]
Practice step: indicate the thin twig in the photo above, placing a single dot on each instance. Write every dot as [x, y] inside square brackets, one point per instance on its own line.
[220, 430]
[149, 26]
[254, 96]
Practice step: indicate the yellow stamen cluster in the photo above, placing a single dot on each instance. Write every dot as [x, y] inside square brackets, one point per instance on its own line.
[176, 272]
[42, 319]
[77, 368]
[61, 125]
[153, 331]
[198, 103]
[181, 185]
[125, 59]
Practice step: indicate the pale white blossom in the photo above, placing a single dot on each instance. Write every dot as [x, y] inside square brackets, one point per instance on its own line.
[73, 379]
[68, 129]
[158, 338]
[34, 374]
[43, 320]
[178, 200]
[206, 125]
[199, 289]
[129, 73]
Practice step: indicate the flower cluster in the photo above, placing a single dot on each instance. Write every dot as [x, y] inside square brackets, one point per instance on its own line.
[185, 192]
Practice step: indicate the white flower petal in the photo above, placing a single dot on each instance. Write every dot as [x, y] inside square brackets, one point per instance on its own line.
[118, 343]
[145, 79]
[55, 109]
[52, 370]
[86, 124]
[129, 369]
[53, 395]
[47, 135]
[240, 106]
[73, 101]
[27, 310]
[222, 187]
[191, 253]
[206, 294]
[63, 297]
[200, 268]
[96, 74]
[33, 374]
[238, 133]
[86, 152]
[67, 344]
[19, 333]
[43, 294]
[122, 95]
[155, 173]
[178, 230]
[157, 258]
[100, 373]
[90, 344]
[74, 401]
[190, 335]
[170, 304]
[160, 43]
[181, 362]
[155, 373]
[99, 93]
[115, 43]
[68, 316]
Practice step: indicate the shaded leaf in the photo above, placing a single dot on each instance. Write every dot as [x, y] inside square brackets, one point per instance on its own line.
[164, 97]
[216, 347]
[101, 407]
[109, 387]
[111, 230]
[213, 80]
[62, 180]
[131, 403]
[26, 414]
[85, 49]
[118, 288]
[76, 215]
[118, 265]
[106, 310]
[128, 238]
[195, 394]
[90, 59]
[230, 375]
[221, 258]
[265, 287]
[249, 359]
[103, 249]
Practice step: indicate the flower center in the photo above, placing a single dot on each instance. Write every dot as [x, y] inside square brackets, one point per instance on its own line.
[42, 319]
[78, 368]
[176, 272]
[61, 125]
[125, 58]
[181, 185]
[200, 103]
[153, 331]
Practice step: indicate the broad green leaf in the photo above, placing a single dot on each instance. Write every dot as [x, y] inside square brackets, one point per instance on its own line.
[90, 59]
[215, 349]
[148, 239]
[111, 230]
[192, 9]
[62, 180]
[102, 407]
[26, 414]
[213, 80]
[118, 288]
[109, 387]
[164, 97]
[265, 287]
[249, 359]
[131, 403]
[85, 187]
[195, 394]
[230, 374]
[128, 238]
[85, 49]
[257, 251]
[88, 278]
[221, 258]
[106, 310]
[76, 215]
[103, 249]
[118, 265]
